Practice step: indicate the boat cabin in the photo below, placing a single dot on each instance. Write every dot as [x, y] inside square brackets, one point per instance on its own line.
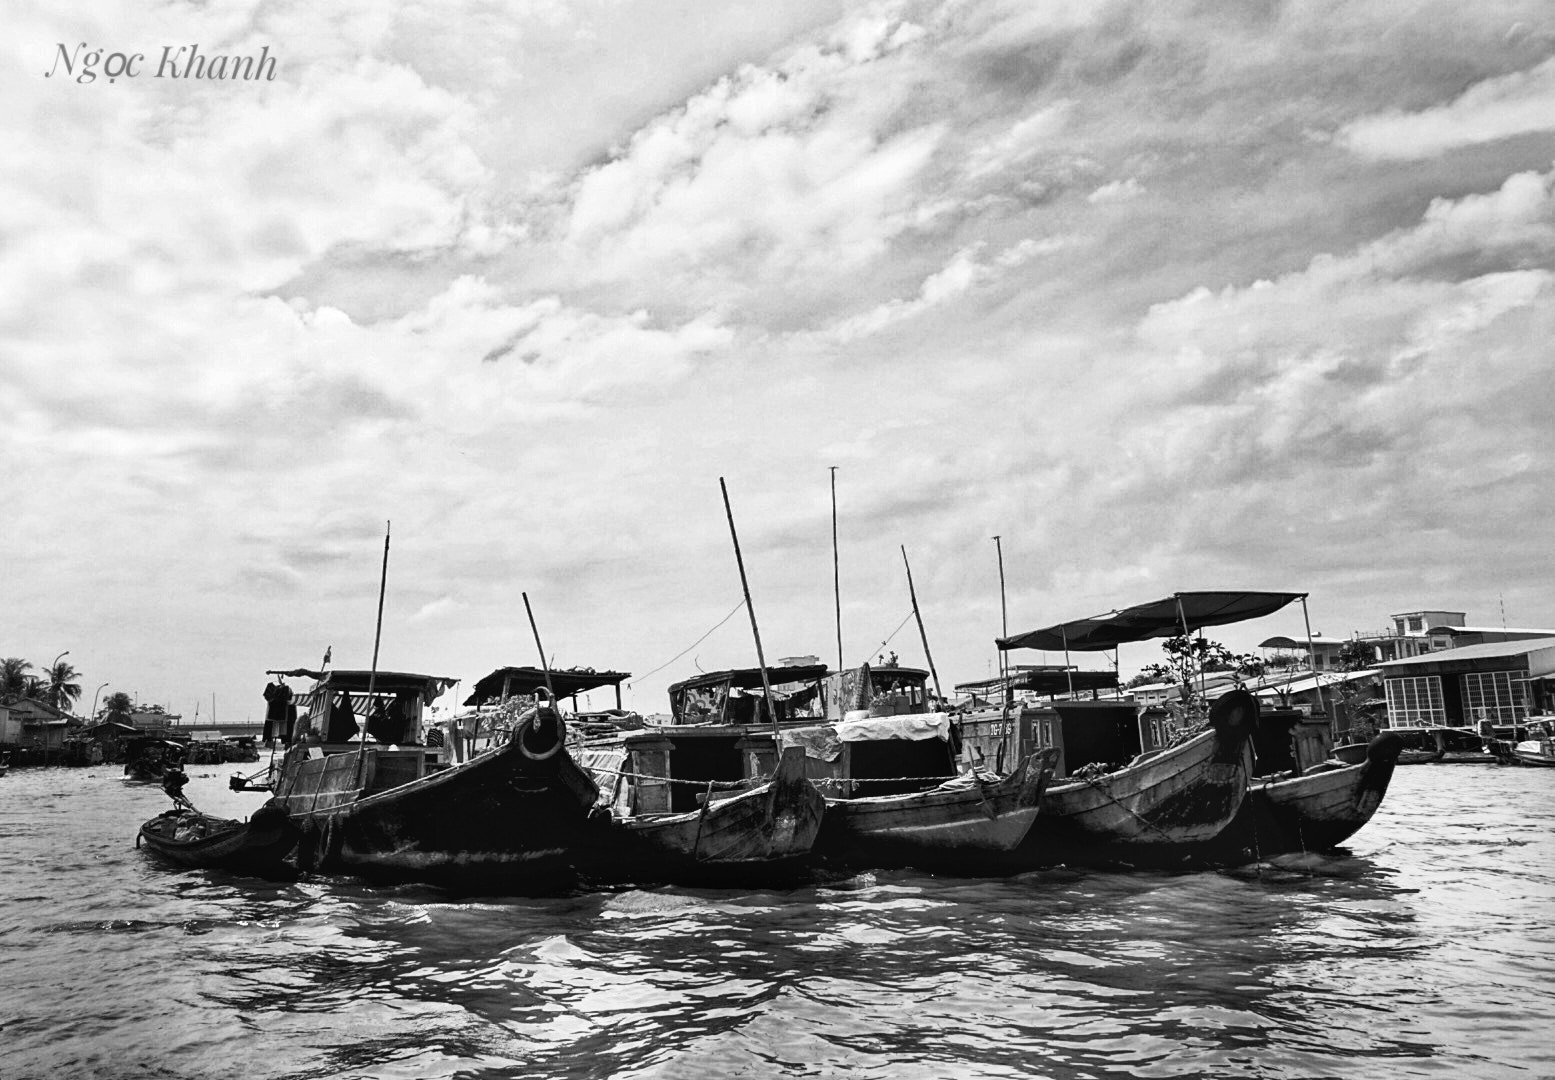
[867, 731]
[326, 752]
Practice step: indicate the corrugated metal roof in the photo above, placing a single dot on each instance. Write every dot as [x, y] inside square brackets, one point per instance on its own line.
[1487, 650]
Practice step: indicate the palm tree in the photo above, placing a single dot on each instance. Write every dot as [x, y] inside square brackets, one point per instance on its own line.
[117, 706]
[14, 677]
[62, 691]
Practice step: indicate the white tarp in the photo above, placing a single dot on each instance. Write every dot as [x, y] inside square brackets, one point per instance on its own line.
[824, 741]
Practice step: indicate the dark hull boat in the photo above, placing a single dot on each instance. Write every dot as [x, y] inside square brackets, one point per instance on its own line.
[511, 816]
[1314, 810]
[1150, 810]
[773, 825]
[959, 823]
[189, 838]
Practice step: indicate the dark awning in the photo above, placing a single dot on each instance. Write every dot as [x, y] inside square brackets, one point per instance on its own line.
[526, 680]
[1045, 682]
[1159, 618]
[749, 678]
[383, 682]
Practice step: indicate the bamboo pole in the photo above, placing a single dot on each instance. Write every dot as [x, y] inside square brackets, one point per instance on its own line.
[544, 664]
[921, 633]
[1004, 625]
[761, 659]
[1317, 683]
[372, 674]
[836, 573]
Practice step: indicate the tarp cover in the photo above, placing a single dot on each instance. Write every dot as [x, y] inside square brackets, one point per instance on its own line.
[824, 741]
[1159, 618]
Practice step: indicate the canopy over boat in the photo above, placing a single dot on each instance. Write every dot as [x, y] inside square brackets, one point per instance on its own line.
[750, 678]
[508, 681]
[382, 682]
[1045, 681]
[1182, 612]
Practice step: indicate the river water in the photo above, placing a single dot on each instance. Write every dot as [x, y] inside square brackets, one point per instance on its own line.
[1427, 949]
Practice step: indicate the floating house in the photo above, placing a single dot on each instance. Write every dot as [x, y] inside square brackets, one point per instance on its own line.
[1499, 683]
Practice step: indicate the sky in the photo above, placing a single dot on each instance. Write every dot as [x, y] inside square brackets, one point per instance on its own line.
[1165, 297]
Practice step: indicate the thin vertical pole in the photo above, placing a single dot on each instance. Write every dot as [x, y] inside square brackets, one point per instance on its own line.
[836, 572]
[916, 614]
[1004, 624]
[372, 674]
[761, 658]
[544, 664]
[1317, 683]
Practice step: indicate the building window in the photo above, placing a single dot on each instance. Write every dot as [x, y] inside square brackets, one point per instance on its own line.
[1416, 622]
[1415, 702]
[1498, 696]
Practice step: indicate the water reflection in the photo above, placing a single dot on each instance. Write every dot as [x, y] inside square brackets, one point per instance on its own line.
[1417, 952]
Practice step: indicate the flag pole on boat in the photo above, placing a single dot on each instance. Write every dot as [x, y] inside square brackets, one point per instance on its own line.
[372, 674]
[917, 615]
[761, 659]
[1317, 682]
[1004, 625]
[836, 573]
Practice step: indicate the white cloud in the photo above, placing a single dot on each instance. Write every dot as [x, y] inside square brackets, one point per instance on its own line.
[1493, 109]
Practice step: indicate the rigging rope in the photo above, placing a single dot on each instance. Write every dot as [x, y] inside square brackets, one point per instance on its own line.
[688, 648]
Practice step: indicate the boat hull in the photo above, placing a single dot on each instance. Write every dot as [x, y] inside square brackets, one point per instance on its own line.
[774, 824]
[1535, 752]
[188, 838]
[1155, 808]
[504, 818]
[1316, 811]
[962, 822]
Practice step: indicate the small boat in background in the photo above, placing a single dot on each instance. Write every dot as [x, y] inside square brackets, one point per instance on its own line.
[1540, 749]
[185, 836]
[5, 764]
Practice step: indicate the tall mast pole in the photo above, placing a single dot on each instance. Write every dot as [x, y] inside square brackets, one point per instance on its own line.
[917, 615]
[544, 664]
[761, 659]
[372, 674]
[1004, 625]
[837, 578]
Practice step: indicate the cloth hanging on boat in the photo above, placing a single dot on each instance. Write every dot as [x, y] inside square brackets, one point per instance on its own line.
[820, 743]
[605, 765]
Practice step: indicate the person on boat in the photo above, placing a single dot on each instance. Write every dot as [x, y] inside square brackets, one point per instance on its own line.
[278, 711]
[342, 721]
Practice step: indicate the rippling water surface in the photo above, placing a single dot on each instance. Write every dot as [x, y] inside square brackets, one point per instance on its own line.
[1428, 949]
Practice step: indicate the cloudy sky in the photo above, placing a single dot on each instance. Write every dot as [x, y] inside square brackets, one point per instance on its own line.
[1167, 296]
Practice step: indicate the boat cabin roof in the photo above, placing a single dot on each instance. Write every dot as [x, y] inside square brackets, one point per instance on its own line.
[1179, 613]
[382, 682]
[526, 680]
[1045, 681]
[750, 678]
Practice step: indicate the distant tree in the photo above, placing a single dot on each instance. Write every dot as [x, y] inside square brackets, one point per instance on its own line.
[1188, 657]
[117, 706]
[14, 679]
[61, 689]
[1357, 698]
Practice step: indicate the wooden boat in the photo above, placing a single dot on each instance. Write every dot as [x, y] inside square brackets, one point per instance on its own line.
[147, 758]
[1150, 810]
[864, 737]
[762, 827]
[187, 837]
[959, 823]
[1305, 794]
[1177, 789]
[5, 763]
[510, 814]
